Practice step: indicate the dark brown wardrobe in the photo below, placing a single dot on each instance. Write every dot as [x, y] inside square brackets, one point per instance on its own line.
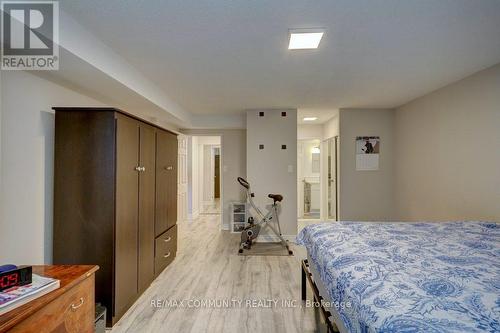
[115, 200]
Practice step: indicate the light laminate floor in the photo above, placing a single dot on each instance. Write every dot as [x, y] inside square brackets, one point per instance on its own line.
[208, 267]
[211, 208]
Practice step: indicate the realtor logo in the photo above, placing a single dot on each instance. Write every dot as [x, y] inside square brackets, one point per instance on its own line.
[30, 35]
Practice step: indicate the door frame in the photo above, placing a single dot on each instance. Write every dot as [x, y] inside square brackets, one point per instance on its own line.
[324, 187]
[182, 205]
[221, 172]
[204, 174]
[215, 174]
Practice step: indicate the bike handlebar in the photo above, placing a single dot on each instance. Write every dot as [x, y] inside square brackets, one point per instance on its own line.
[243, 183]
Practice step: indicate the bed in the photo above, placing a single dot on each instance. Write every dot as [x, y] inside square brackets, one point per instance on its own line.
[407, 277]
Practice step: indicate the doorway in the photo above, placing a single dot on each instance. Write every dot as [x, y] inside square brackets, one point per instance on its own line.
[210, 175]
[317, 174]
[205, 177]
[309, 178]
[217, 174]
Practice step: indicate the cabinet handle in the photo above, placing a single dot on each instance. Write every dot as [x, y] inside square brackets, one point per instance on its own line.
[138, 168]
[167, 240]
[75, 307]
[169, 168]
[166, 255]
[143, 169]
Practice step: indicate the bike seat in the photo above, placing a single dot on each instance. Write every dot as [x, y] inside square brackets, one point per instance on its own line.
[276, 197]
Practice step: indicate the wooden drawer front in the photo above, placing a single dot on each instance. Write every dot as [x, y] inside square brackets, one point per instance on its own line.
[165, 249]
[71, 312]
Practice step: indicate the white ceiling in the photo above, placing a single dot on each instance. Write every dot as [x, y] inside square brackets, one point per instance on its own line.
[228, 56]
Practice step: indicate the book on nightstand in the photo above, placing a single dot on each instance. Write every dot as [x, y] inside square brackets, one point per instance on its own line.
[18, 295]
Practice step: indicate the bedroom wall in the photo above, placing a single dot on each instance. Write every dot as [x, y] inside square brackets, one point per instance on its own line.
[448, 152]
[272, 169]
[27, 139]
[233, 146]
[331, 127]
[366, 195]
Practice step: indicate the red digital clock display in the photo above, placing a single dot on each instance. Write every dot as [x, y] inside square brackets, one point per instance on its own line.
[16, 277]
[9, 280]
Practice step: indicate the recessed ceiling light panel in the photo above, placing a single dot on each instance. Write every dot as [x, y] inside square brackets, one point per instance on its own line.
[310, 118]
[303, 39]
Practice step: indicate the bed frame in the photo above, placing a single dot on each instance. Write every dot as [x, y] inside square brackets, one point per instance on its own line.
[326, 314]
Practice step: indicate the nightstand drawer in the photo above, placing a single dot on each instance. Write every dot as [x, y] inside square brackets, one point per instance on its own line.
[73, 311]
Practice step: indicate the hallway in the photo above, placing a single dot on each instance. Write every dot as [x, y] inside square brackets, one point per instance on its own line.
[208, 267]
[211, 208]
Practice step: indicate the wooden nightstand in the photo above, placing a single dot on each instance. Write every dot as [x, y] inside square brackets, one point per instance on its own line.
[70, 308]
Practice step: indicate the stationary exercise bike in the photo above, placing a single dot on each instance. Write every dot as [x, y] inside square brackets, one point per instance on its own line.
[251, 231]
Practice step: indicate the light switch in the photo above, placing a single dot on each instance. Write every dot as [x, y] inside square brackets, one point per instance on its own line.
[290, 168]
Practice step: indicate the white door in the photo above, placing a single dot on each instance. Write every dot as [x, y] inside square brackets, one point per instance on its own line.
[332, 179]
[182, 179]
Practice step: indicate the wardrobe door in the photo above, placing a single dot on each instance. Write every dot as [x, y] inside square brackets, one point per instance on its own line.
[172, 182]
[127, 189]
[166, 174]
[147, 154]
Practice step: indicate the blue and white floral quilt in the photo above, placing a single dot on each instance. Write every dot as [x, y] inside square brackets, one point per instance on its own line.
[410, 277]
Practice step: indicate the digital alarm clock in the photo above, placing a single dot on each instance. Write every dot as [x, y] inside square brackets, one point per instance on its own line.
[16, 276]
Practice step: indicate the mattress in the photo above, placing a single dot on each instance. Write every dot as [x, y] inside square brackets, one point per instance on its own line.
[409, 277]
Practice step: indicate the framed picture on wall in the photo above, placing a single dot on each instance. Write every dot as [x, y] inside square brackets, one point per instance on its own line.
[367, 153]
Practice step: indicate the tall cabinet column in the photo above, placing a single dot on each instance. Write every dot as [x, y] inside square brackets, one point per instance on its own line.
[147, 177]
[127, 212]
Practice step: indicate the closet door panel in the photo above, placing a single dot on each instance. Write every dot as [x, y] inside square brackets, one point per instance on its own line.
[165, 170]
[172, 182]
[126, 228]
[146, 206]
